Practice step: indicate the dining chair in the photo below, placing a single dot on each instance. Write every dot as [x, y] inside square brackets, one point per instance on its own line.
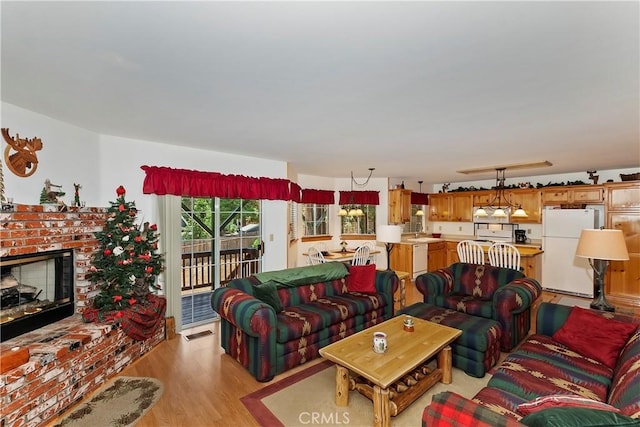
[315, 256]
[372, 248]
[470, 252]
[504, 255]
[361, 256]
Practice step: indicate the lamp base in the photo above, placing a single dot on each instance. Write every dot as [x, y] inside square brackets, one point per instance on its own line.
[601, 304]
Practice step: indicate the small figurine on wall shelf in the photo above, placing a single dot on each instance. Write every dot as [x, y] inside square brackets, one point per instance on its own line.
[593, 177]
[76, 195]
[50, 193]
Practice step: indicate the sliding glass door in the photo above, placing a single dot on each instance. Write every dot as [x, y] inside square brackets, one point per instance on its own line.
[221, 241]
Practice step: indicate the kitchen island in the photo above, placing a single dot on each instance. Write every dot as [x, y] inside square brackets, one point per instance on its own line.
[402, 256]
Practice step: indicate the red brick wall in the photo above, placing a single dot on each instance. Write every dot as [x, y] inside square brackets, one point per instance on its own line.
[68, 359]
[31, 229]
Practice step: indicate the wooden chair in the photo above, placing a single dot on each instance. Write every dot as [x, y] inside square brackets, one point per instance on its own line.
[470, 252]
[504, 255]
[315, 256]
[361, 257]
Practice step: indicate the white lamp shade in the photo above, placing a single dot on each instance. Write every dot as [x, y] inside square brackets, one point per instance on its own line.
[419, 212]
[342, 212]
[519, 213]
[499, 213]
[480, 212]
[389, 233]
[602, 244]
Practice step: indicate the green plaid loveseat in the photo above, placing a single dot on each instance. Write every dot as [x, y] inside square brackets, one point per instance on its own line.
[317, 309]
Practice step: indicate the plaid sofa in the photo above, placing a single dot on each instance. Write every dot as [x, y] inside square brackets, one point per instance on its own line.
[542, 367]
[501, 294]
[315, 314]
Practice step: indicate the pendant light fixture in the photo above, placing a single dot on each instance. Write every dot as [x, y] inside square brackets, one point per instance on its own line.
[420, 212]
[351, 209]
[500, 203]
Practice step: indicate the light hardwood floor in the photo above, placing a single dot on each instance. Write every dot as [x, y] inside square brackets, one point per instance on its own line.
[202, 385]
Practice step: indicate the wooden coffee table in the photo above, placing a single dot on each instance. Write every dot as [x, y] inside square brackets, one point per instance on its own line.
[394, 379]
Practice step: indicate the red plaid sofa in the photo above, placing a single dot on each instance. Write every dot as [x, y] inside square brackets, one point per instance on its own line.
[317, 309]
[545, 378]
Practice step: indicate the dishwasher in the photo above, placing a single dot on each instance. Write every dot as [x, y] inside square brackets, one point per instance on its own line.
[420, 264]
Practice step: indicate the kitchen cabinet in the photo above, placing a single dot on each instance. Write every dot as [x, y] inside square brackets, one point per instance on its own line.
[437, 256]
[585, 194]
[439, 209]
[622, 284]
[452, 253]
[411, 258]
[483, 198]
[399, 206]
[451, 207]
[530, 200]
[461, 207]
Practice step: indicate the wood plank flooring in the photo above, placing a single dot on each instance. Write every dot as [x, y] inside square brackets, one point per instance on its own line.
[203, 386]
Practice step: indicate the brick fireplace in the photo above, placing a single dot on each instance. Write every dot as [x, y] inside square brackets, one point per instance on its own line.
[47, 370]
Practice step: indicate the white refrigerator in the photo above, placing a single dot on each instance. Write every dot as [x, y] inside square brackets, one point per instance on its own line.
[562, 271]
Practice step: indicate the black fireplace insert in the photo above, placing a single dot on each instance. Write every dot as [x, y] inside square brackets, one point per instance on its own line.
[35, 290]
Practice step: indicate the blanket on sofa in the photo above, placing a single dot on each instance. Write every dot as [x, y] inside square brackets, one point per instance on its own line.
[293, 277]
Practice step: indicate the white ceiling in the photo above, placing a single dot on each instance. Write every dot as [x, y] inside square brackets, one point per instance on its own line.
[417, 90]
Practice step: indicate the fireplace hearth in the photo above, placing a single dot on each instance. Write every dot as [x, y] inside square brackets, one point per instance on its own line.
[35, 290]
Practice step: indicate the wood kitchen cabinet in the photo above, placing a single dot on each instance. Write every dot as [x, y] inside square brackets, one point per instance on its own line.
[451, 207]
[401, 258]
[622, 284]
[530, 200]
[587, 194]
[461, 207]
[452, 253]
[399, 206]
[439, 207]
[437, 255]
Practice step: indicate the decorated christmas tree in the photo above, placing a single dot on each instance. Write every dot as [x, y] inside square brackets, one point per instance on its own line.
[126, 264]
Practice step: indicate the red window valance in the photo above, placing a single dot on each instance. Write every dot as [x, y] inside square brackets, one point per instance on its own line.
[419, 198]
[325, 197]
[184, 182]
[360, 197]
[295, 192]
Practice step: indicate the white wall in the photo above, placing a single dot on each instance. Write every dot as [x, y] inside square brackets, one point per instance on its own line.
[69, 155]
[100, 163]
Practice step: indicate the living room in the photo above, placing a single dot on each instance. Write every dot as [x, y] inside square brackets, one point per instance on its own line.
[101, 160]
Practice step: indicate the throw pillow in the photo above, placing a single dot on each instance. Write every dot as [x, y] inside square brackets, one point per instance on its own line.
[362, 278]
[577, 417]
[268, 293]
[594, 336]
[563, 400]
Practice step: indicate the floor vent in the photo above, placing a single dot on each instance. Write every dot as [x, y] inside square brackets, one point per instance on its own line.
[197, 335]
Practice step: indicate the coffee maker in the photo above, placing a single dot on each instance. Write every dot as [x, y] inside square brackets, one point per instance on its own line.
[521, 236]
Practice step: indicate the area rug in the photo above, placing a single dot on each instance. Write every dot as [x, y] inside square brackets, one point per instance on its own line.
[119, 403]
[308, 397]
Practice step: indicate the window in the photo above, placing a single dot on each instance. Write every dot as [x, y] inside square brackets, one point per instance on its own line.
[293, 221]
[415, 225]
[315, 218]
[365, 224]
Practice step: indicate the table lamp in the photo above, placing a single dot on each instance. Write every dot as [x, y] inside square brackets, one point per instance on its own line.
[389, 234]
[601, 246]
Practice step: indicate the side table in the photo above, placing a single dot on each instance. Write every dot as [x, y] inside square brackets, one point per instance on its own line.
[402, 276]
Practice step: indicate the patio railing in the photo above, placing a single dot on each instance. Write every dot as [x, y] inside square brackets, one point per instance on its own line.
[197, 267]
